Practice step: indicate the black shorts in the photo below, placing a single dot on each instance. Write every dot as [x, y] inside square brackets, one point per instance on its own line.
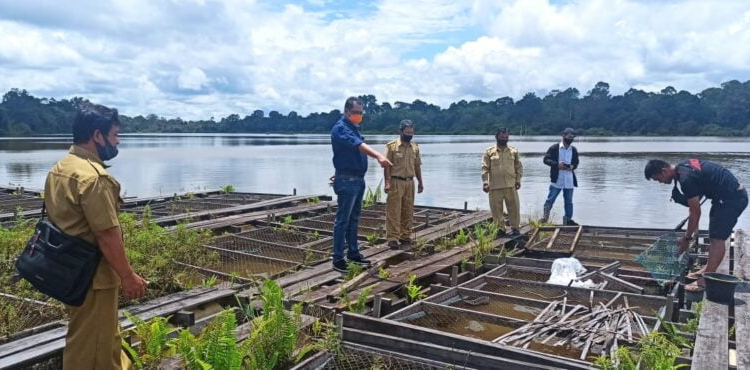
[723, 215]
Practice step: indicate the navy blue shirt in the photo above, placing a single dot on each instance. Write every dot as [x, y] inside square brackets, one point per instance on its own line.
[345, 141]
[707, 179]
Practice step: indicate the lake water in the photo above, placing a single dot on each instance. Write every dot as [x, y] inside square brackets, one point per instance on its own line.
[612, 188]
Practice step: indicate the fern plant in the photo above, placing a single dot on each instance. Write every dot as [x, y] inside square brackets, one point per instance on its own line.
[154, 340]
[414, 291]
[361, 304]
[215, 348]
[275, 334]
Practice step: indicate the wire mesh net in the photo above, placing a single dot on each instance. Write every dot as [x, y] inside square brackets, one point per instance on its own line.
[248, 266]
[512, 307]
[467, 324]
[258, 248]
[53, 363]
[18, 314]
[281, 235]
[662, 259]
[357, 359]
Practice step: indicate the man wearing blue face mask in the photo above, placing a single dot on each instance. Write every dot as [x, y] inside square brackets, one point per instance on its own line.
[82, 200]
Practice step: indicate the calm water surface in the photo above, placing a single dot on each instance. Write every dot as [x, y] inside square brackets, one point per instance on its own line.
[612, 188]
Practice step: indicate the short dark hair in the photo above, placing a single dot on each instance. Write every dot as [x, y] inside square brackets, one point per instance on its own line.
[350, 103]
[92, 117]
[502, 130]
[407, 123]
[654, 167]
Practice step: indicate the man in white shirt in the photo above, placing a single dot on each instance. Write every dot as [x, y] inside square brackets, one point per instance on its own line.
[562, 158]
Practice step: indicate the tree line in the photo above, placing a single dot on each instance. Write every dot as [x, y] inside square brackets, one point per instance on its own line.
[716, 111]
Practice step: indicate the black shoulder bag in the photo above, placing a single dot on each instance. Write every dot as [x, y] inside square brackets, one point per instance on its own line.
[59, 265]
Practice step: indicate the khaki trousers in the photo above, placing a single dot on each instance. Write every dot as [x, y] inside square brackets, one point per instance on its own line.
[93, 341]
[509, 196]
[399, 213]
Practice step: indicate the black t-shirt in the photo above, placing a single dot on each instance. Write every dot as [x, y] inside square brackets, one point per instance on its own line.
[705, 178]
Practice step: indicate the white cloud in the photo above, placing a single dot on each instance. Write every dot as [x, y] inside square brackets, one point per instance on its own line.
[203, 58]
[192, 79]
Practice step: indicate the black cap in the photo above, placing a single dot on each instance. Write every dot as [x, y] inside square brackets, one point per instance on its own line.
[569, 131]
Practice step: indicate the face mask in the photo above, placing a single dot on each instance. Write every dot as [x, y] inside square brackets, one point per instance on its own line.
[355, 119]
[107, 151]
[502, 142]
[567, 141]
[406, 138]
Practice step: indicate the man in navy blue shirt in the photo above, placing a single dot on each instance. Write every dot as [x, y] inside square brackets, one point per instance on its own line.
[698, 179]
[350, 160]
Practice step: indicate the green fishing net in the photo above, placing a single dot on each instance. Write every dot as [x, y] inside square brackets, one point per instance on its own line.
[661, 259]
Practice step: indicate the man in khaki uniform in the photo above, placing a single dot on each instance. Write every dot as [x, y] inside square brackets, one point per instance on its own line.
[501, 178]
[399, 185]
[83, 200]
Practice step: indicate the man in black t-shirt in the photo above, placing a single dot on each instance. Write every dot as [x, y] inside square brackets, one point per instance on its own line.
[699, 179]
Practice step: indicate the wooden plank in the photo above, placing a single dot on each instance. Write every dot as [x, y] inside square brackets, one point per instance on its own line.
[43, 345]
[324, 273]
[356, 281]
[625, 284]
[576, 239]
[240, 219]
[742, 299]
[533, 236]
[711, 349]
[171, 220]
[553, 238]
[404, 331]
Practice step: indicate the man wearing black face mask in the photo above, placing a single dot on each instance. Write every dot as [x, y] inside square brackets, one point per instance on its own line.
[562, 158]
[399, 185]
[501, 178]
[83, 200]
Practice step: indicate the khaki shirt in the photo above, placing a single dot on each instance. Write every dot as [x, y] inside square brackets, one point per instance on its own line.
[501, 168]
[404, 156]
[81, 199]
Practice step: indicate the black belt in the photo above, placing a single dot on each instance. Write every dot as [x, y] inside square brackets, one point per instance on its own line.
[402, 178]
[349, 174]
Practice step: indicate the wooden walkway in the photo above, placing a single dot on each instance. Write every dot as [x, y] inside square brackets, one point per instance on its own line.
[711, 349]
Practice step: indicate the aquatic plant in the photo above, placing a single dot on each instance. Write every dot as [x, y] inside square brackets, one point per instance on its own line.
[414, 291]
[461, 237]
[360, 305]
[371, 196]
[226, 189]
[372, 238]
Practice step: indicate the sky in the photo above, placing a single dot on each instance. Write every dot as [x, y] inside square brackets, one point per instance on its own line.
[197, 59]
